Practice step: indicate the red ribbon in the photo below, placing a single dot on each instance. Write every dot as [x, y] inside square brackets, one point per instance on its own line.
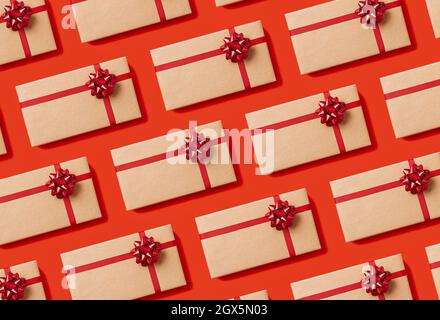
[12, 286]
[124, 257]
[345, 18]
[389, 186]
[411, 90]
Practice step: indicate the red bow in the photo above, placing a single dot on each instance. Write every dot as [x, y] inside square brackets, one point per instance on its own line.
[61, 183]
[101, 83]
[17, 15]
[331, 111]
[281, 215]
[416, 179]
[236, 47]
[197, 147]
[12, 287]
[371, 12]
[146, 251]
[375, 280]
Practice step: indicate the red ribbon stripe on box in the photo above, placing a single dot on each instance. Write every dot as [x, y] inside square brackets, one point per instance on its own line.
[434, 265]
[389, 186]
[263, 219]
[76, 90]
[158, 3]
[351, 287]
[44, 188]
[309, 117]
[171, 154]
[22, 32]
[125, 256]
[211, 54]
[411, 90]
[345, 18]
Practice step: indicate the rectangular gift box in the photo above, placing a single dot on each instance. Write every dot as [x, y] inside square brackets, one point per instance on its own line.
[260, 295]
[62, 106]
[345, 284]
[300, 137]
[220, 3]
[97, 19]
[376, 201]
[413, 99]
[433, 253]
[156, 170]
[2, 145]
[241, 238]
[108, 270]
[27, 207]
[34, 289]
[37, 38]
[335, 26]
[197, 70]
[434, 13]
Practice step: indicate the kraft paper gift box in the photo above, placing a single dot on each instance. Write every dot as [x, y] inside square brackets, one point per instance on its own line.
[62, 106]
[220, 3]
[197, 70]
[155, 170]
[32, 284]
[260, 295]
[434, 13]
[242, 237]
[332, 34]
[97, 19]
[27, 207]
[376, 201]
[2, 145]
[413, 99]
[345, 284]
[300, 137]
[35, 39]
[433, 253]
[109, 271]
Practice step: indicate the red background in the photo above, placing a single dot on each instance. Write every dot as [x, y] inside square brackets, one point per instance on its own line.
[206, 18]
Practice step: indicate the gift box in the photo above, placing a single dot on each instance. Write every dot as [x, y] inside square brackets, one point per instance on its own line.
[47, 199]
[352, 29]
[299, 134]
[25, 279]
[213, 65]
[157, 170]
[130, 267]
[79, 101]
[412, 97]
[31, 37]
[99, 19]
[389, 198]
[367, 281]
[2, 145]
[433, 253]
[220, 3]
[260, 295]
[258, 233]
[434, 13]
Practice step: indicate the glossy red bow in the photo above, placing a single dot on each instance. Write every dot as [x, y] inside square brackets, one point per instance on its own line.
[331, 111]
[197, 147]
[12, 287]
[146, 251]
[61, 183]
[371, 12]
[236, 47]
[101, 83]
[416, 179]
[376, 280]
[281, 214]
[17, 15]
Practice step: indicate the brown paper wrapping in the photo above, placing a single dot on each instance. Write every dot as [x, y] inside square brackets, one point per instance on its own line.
[99, 19]
[349, 40]
[41, 213]
[434, 13]
[212, 77]
[399, 287]
[310, 140]
[123, 280]
[387, 210]
[418, 111]
[257, 245]
[164, 180]
[220, 3]
[433, 253]
[38, 34]
[2, 145]
[260, 295]
[78, 113]
[29, 270]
